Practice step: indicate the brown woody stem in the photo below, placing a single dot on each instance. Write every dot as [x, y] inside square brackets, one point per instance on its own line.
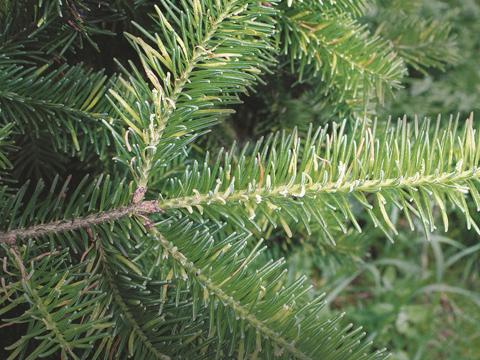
[141, 208]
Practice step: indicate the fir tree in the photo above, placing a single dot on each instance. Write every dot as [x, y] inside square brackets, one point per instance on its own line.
[127, 232]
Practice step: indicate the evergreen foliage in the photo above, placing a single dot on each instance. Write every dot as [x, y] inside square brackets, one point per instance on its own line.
[138, 220]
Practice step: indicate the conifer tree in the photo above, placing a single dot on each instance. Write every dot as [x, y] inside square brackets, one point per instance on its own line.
[140, 207]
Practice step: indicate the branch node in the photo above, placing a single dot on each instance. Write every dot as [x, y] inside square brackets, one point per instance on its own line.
[139, 194]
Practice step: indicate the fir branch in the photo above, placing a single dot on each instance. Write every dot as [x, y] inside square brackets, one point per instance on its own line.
[216, 289]
[146, 306]
[141, 208]
[281, 318]
[41, 306]
[111, 283]
[354, 7]
[214, 65]
[319, 173]
[443, 180]
[59, 27]
[287, 178]
[341, 52]
[198, 54]
[166, 261]
[422, 43]
[68, 102]
[59, 305]
[90, 202]
[5, 146]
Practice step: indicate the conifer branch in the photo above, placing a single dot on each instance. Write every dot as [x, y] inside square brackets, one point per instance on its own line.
[141, 208]
[286, 177]
[298, 191]
[316, 43]
[5, 146]
[227, 299]
[60, 306]
[282, 317]
[129, 317]
[315, 177]
[68, 102]
[210, 69]
[354, 7]
[43, 308]
[201, 49]
[166, 256]
[422, 43]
